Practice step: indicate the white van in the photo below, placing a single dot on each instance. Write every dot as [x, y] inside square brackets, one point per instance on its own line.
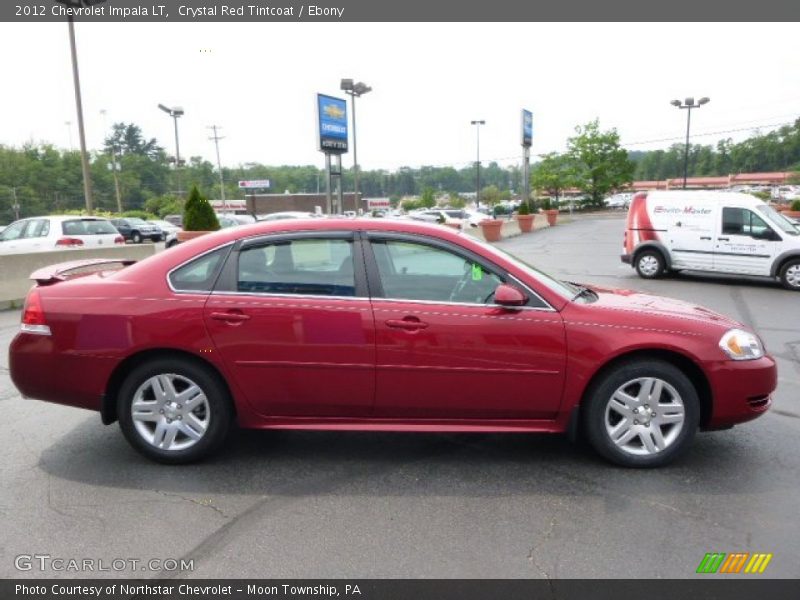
[722, 232]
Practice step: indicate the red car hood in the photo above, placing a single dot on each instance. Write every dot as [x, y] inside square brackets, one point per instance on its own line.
[641, 302]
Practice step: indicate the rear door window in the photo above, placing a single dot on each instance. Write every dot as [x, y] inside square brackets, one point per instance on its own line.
[318, 267]
[87, 227]
[198, 275]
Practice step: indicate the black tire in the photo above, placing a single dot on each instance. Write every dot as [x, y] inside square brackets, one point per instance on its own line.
[172, 243]
[650, 264]
[790, 275]
[600, 395]
[136, 237]
[219, 413]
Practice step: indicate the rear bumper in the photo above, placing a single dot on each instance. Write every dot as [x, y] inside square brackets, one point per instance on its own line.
[742, 390]
[626, 258]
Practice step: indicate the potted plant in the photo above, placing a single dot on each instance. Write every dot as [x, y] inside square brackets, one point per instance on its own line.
[794, 210]
[492, 228]
[198, 217]
[549, 211]
[525, 218]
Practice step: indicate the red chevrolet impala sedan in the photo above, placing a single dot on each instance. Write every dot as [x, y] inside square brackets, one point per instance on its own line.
[377, 325]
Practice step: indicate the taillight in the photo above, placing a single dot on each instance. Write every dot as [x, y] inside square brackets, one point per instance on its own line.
[69, 242]
[33, 315]
[119, 240]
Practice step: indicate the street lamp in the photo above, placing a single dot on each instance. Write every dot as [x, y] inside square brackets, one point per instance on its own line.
[478, 163]
[688, 104]
[355, 91]
[175, 112]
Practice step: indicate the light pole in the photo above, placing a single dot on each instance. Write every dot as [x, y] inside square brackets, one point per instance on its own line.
[176, 113]
[688, 104]
[216, 138]
[355, 91]
[478, 163]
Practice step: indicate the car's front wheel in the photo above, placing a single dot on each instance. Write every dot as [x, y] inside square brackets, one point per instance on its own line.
[642, 413]
[136, 237]
[174, 411]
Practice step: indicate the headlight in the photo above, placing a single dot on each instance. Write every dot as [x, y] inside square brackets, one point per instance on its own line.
[741, 345]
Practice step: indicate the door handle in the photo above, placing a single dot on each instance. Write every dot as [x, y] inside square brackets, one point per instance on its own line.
[723, 239]
[230, 317]
[705, 238]
[409, 324]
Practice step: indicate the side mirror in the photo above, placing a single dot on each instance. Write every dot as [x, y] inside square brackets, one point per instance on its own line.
[506, 295]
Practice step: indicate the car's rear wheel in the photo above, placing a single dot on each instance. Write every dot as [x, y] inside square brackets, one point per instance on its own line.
[790, 275]
[136, 237]
[174, 411]
[642, 413]
[650, 264]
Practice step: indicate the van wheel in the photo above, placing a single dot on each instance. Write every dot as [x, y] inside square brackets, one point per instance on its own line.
[650, 264]
[790, 275]
[643, 413]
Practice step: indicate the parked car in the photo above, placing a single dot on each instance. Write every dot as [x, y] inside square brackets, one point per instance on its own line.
[137, 230]
[372, 324]
[618, 200]
[279, 216]
[719, 232]
[176, 220]
[165, 226]
[45, 234]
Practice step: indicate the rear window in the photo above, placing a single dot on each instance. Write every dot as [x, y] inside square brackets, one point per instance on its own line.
[198, 275]
[87, 227]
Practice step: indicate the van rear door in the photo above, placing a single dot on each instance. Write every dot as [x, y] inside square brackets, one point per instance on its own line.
[745, 243]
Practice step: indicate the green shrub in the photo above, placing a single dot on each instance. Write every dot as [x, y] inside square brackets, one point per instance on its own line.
[546, 204]
[795, 205]
[198, 214]
[524, 209]
[139, 214]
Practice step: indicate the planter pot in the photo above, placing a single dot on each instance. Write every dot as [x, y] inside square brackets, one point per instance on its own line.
[792, 214]
[185, 236]
[491, 229]
[552, 216]
[525, 223]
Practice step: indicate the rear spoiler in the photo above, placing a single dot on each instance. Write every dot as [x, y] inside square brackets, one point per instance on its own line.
[60, 272]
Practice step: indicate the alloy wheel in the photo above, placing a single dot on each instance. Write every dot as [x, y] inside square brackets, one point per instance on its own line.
[644, 416]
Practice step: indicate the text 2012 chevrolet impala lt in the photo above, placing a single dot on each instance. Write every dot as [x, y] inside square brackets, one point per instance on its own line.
[378, 325]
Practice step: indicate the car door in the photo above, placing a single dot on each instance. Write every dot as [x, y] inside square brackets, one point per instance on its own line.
[12, 238]
[123, 227]
[291, 319]
[745, 243]
[444, 350]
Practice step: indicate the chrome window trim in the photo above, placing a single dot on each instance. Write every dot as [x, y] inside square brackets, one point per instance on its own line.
[274, 295]
[186, 262]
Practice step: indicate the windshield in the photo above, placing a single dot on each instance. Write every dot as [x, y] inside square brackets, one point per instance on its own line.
[562, 288]
[137, 222]
[778, 219]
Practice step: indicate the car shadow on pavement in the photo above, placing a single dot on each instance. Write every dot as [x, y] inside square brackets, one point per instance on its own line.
[403, 464]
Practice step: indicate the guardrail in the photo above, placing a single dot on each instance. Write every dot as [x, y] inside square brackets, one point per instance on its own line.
[15, 269]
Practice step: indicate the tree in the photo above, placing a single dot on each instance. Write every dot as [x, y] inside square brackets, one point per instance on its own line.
[198, 214]
[490, 195]
[600, 164]
[428, 200]
[553, 174]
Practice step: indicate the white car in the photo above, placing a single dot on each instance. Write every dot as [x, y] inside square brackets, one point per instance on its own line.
[165, 226]
[289, 214]
[45, 234]
[618, 201]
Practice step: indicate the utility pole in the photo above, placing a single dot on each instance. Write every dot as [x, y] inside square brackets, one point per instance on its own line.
[113, 165]
[16, 204]
[87, 181]
[216, 138]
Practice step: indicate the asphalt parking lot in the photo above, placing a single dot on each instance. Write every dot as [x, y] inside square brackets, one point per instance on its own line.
[300, 504]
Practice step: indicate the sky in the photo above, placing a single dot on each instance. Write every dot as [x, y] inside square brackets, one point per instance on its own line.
[258, 82]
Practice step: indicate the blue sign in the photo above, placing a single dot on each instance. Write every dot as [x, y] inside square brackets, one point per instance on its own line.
[332, 124]
[527, 128]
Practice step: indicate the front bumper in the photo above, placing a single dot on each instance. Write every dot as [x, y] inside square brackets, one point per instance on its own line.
[741, 390]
